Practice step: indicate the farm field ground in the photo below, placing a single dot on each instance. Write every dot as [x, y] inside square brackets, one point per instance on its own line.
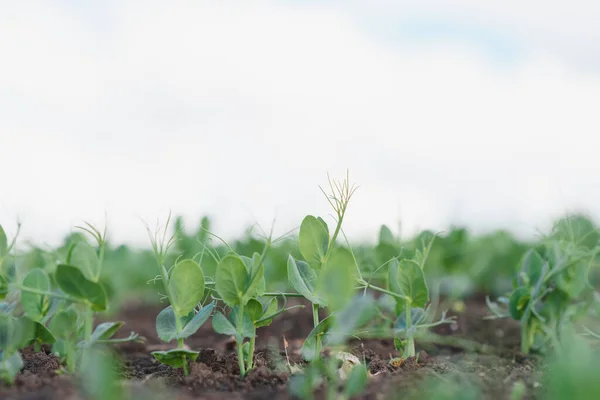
[488, 370]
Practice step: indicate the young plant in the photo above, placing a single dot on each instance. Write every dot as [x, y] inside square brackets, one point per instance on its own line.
[407, 283]
[341, 373]
[551, 291]
[5, 248]
[240, 282]
[328, 273]
[184, 288]
[15, 334]
[69, 311]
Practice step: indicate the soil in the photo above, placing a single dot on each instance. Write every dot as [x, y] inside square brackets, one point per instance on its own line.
[474, 353]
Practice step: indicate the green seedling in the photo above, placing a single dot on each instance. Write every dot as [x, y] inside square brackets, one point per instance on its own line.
[62, 308]
[5, 248]
[551, 290]
[240, 282]
[407, 282]
[15, 334]
[184, 288]
[342, 374]
[328, 274]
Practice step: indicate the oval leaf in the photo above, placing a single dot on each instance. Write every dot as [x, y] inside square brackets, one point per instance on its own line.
[72, 282]
[34, 305]
[336, 280]
[197, 321]
[407, 279]
[3, 243]
[105, 331]
[304, 279]
[231, 276]
[222, 325]
[166, 324]
[83, 256]
[518, 302]
[176, 357]
[314, 240]
[186, 286]
[64, 323]
[309, 347]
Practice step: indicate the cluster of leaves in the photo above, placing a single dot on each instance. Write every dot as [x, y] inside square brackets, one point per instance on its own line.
[55, 308]
[552, 290]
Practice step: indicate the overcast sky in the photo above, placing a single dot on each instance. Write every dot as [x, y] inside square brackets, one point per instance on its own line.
[482, 113]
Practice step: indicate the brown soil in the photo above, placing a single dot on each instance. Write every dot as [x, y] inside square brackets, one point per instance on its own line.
[488, 361]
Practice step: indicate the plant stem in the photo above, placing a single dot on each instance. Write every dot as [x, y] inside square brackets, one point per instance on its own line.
[276, 294]
[410, 345]
[240, 340]
[250, 359]
[316, 322]
[49, 294]
[382, 290]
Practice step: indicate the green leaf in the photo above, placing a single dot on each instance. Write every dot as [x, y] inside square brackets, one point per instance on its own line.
[197, 321]
[176, 357]
[531, 267]
[254, 309]
[386, 236]
[63, 324]
[43, 335]
[309, 347]
[314, 240]
[231, 277]
[3, 285]
[222, 325]
[573, 280]
[518, 302]
[36, 306]
[357, 381]
[407, 279]
[304, 279]
[166, 324]
[186, 286]
[416, 316]
[247, 329]
[384, 252]
[3, 243]
[84, 257]
[337, 279]
[15, 333]
[359, 312]
[10, 365]
[269, 309]
[71, 281]
[256, 278]
[105, 331]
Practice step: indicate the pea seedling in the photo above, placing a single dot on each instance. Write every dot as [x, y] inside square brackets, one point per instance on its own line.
[327, 276]
[240, 282]
[552, 290]
[184, 287]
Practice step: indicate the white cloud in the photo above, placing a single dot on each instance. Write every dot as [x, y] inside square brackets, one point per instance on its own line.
[238, 111]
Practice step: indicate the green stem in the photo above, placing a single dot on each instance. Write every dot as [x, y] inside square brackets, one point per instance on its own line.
[250, 359]
[316, 322]
[180, 345]
[382, 290]
[410, 345]
[276, 294]
[49, 294]
[240, 340]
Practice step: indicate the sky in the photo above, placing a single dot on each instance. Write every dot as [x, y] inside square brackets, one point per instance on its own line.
[482, 114]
